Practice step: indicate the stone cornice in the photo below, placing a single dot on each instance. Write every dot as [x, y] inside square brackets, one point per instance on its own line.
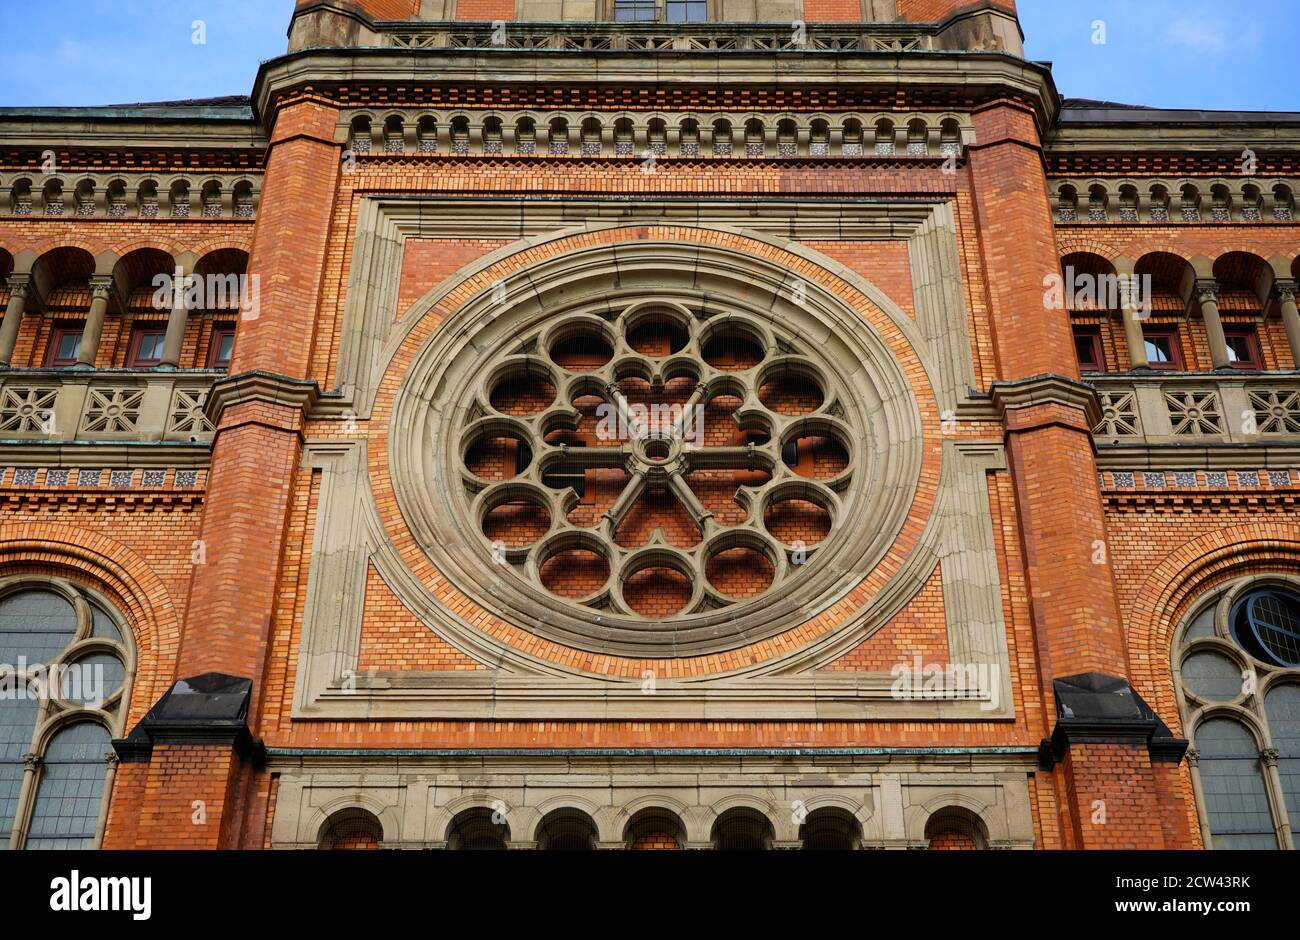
[152, 455]
[77, 131]
[1127, 131]
[981, 75]
[1046, 389]
[1197, 456]
[281, 390]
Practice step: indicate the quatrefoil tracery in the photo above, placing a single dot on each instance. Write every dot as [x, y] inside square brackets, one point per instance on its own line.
[778, 439]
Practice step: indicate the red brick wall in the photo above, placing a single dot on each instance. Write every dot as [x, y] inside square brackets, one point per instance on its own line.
[176, 801]
[485, 9]
[933, 11]
[832, 11]
[380, 9]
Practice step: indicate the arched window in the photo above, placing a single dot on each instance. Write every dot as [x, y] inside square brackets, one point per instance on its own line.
[68, 798]
[655, 830]
[64, 677]
[1236, 800]
[1238, 670]
[742, 829]
[831, 828]
[956, 828]
[566, 830]
[352, 830]
[478, 829]
[17, 722]
[1282, 707]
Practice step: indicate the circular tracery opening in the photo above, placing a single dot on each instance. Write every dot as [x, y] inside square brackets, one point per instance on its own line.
[522, 394]
[657, 441]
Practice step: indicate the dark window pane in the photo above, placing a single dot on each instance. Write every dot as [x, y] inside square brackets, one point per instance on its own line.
[104, 625]
[225, 347]
[92, 679]
[149, 348]
[1235, 799]
[1085, 349]
[66, 813]
[687, 11]
[1203, 625]
[1241, 347]
[36, 625]
[1283, 707]
[17, 720]
[1212, 676]
[1267, 623]
[1160, 350]
[69, 346]
[634, 11]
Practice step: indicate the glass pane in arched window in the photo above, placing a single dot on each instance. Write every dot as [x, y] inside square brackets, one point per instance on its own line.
[1282, 704]
[104, 625]
[1211, 675]
[1203, 625]
[92, 678]
[35, 625]
[17, 720]
[66, 814]
[1235, 799]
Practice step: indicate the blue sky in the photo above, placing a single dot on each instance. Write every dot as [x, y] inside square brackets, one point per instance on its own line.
[1209, 54]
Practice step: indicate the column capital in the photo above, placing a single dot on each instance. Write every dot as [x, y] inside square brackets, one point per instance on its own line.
[1269, 756]
[1207, 289]
[20, 285]
[1286, 290]
[32, 762]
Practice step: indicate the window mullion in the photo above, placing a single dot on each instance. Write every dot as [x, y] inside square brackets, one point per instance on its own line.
[1276, 795]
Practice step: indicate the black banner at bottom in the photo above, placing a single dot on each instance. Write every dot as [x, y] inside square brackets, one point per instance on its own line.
[213, 892]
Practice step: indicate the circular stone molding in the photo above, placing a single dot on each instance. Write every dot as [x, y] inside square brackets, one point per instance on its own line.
[666, 450]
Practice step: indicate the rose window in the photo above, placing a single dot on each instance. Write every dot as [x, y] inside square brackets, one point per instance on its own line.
[658, 466]
[655, 471]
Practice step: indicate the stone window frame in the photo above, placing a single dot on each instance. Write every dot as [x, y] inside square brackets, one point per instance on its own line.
[54, 714]
[1248, 707]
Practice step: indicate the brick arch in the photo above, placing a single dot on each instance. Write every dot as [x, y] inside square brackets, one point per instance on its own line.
[1078, 245]
[69, 241]
[1185, 575]
[1140, 250]
[125, 579]
[150, 241]
[221, 243]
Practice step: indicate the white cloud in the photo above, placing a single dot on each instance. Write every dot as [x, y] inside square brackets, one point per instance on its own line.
[1200, 34]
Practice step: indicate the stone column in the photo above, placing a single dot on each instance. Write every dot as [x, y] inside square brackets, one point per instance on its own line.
[1207, 295]
[176, 321]
[1137, 347]
[1286, 291]
[100, 290]
[13, 318]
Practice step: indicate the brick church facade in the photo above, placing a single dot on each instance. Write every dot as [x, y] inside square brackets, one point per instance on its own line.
[655, 424]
